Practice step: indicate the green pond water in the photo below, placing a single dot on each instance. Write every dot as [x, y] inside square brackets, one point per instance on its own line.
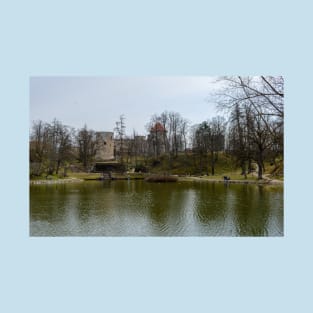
[138, 208]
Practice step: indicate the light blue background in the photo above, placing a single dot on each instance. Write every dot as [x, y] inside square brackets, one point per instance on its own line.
[155, 274]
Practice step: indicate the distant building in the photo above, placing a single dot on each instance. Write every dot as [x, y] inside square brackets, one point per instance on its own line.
[109, 148]
[104, 146]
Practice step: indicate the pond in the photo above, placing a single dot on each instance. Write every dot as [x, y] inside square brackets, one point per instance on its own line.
[139, 208]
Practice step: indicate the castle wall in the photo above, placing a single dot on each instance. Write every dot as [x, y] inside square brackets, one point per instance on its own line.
[104, 146]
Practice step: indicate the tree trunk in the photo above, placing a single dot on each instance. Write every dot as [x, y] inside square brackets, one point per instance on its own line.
[58, 167]
[249, 166]
[260, 165]
[212, 163]
[243, 168]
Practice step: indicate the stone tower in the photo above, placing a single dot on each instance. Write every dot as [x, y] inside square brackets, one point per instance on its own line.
[104, 146]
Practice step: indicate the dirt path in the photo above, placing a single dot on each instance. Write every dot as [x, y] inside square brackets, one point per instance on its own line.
[266, 177]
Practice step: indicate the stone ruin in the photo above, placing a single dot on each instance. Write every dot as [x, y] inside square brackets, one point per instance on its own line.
[104, 146]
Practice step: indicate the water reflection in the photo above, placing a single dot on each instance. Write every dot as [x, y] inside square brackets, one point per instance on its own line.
[137, 208]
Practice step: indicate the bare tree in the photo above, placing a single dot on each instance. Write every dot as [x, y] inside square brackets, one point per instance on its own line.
[51, 145]
[200, 143]
[264, 93]
[164, 120]
[38, 147]
[157, 138]
[60, 146]
[176, 132]
[86, 146]
[184, 127]
[209, 139]
[259, 102]
[167, 135]
[216, 139]
[238, 139]
[120, 134]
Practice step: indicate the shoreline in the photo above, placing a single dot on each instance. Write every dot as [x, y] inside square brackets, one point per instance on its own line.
[265, 181]
[234, 181]
[55, 181]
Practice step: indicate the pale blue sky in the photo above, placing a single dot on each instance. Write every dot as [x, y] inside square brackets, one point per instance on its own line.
[99, 101]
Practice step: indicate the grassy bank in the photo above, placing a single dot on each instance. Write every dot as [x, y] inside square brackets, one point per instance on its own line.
[190, 165]
[183, 165]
